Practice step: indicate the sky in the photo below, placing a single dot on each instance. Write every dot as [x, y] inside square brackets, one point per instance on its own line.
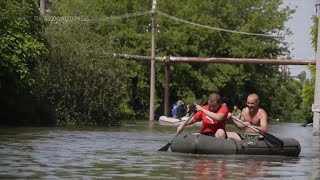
[300, 41]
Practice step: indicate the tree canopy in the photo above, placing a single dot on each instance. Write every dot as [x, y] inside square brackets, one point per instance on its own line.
[82, 83]
[21, 48]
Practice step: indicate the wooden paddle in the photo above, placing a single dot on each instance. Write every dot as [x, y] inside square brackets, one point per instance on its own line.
[166, 147]
[268, 137]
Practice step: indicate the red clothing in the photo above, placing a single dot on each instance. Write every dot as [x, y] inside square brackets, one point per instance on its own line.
[212, 125]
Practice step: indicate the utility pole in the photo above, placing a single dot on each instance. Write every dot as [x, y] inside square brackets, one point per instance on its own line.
[316, 104]
[153, 56]
[42, 7]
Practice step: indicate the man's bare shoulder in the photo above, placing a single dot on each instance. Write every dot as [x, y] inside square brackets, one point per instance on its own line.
[262, 111]
[245, 110]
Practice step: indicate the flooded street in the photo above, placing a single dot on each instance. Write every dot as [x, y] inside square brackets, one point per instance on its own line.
[131, 152]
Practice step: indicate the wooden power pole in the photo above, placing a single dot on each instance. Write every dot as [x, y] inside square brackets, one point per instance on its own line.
[316, 104]
[153, 56]
[42, 7]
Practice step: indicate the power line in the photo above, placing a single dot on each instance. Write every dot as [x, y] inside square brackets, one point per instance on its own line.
[214, 28]
[129, 15]
[136, 14]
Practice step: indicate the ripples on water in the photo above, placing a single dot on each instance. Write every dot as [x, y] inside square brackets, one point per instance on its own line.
[130, 152]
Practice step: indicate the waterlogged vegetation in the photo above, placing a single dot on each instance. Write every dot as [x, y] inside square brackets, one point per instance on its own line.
[61, 70]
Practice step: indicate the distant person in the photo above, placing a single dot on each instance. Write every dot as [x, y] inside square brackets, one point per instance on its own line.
[250, 115]
[175, 109]
[179, 110]
[236, 112]
[182, 110]
[213, 117]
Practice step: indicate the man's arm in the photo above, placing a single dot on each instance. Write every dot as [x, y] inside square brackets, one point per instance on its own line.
[192, 121]
[238, 124]
[263, 120]
[217, 116]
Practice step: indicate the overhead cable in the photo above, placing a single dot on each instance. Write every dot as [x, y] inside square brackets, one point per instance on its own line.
[123, 16]
[130, 15]
[214, 28]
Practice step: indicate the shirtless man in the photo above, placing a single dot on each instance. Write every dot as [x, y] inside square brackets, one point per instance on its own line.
[254, 115]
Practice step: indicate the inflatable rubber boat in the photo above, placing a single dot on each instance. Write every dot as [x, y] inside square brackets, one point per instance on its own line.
[202, 144]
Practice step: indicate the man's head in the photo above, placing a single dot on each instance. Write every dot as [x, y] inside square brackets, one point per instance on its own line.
[253, 102]
[214, 102]
[235, 107]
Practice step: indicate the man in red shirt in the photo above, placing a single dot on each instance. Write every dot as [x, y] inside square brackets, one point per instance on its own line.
[213, 117]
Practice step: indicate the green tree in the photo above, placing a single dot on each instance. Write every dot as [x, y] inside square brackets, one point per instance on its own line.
[308, 89]
[307, 96]
[20, 48]
[80, 79]
[128, 35]
[302, 77]
[20, 41]
[178, 38]
[234, 82]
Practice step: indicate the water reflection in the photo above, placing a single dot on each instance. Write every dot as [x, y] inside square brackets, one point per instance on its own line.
[206, 169]
[243, 167]
[131, 152]
[223, 167]
[253, 168]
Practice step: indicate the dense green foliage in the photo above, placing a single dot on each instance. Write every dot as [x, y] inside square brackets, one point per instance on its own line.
[20, 50]
[79, 82]
[191, 81]
[20, 46]
[84, 84]
[308, 97]
[308, 89]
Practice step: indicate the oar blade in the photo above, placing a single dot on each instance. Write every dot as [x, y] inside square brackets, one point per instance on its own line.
[272, 139]
[165, 148]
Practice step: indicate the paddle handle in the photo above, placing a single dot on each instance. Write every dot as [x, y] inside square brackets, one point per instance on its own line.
[268, 137]
[250, 126]
[185, 123]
